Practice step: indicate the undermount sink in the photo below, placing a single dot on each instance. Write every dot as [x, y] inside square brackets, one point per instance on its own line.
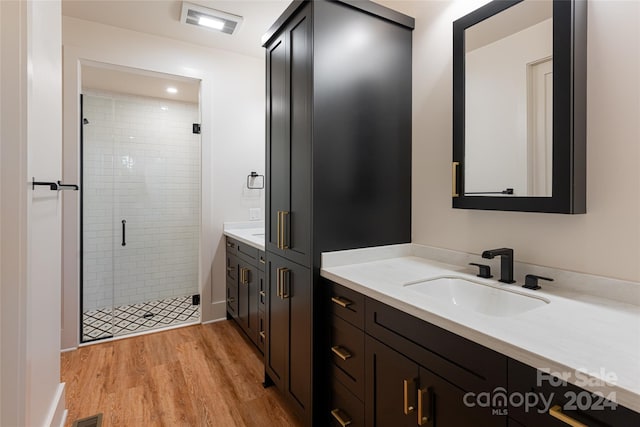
[476, 296]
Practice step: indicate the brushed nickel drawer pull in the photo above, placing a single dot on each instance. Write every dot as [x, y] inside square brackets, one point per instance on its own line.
[342, 302]
[556, 412]
[342, 417]
[341, 352]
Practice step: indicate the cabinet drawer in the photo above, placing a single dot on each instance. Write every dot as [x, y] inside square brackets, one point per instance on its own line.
[573, 402]
[231, 245]
[470, 366]
[247, 252]
[262, 260]
[347, 304]
[345, 408]
[347, 355]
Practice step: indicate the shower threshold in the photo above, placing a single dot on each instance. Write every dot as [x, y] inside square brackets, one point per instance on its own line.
[134, 318]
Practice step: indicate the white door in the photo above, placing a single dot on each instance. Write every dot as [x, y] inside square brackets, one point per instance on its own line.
[540, 143]
[31, 276]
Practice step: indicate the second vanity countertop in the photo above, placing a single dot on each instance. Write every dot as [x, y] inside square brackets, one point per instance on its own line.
[248, 232]
[574, 332]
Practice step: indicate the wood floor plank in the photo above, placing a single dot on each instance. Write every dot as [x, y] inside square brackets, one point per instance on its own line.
[196, 376]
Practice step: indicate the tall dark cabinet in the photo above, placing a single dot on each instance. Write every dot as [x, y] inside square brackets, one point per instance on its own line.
[338, 173]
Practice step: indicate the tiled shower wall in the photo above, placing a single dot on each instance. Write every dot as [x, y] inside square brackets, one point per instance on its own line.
[141, 163]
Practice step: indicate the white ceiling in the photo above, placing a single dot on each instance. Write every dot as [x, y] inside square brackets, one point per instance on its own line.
[162, 18]
[111, 78]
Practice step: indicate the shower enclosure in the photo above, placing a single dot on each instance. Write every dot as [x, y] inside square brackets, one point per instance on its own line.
[140, 214]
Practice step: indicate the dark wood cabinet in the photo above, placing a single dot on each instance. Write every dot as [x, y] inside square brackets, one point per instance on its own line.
[416, 373]
[338, 161]
[289, 140]
[231, 278]
[560, 399]
[406, 394]
[248, 299]
[288, 345]
[245, 283]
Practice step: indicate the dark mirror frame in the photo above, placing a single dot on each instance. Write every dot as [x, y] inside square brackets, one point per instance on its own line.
[569, 113]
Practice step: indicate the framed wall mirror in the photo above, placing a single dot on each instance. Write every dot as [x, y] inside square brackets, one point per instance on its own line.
[519, 101]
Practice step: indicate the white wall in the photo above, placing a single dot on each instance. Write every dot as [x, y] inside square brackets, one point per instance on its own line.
[606, 240]
[142, 165]
[496, 109]
[232, 107]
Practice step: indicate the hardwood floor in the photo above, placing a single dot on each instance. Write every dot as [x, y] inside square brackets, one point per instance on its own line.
[204, 375]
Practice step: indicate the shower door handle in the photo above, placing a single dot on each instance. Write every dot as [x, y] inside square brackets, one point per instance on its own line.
[124, 229]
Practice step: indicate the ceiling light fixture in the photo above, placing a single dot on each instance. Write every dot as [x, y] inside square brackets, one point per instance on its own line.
[172, 90]
[209, 19]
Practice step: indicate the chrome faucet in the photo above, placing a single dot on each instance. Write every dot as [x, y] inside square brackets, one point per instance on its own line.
[506, 263]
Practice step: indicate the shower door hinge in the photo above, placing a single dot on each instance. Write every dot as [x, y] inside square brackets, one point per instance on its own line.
[196, 128]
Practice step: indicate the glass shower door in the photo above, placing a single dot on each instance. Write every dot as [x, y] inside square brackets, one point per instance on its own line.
[147, 195]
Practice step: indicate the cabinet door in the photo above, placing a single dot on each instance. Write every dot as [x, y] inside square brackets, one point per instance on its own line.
[441, 404]
[248, 299]
[392, 384]
[289, 344]
[289, 141]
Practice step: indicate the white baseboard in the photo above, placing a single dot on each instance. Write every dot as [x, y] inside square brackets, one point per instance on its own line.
[214, 321]
[58, 413]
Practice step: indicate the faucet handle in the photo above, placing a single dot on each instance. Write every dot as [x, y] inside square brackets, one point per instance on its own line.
[485, 270]
[531, 281]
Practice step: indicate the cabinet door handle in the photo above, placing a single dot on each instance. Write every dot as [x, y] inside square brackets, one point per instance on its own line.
[230, 269]
[341, 352]
[285, 234]
[408, 407]
[262, 260]
[282, 230]
[263, 294]
[278, 226]
[425, 406]
[556, 412]
[282, 276]
[342, 417]
[244, 275]
[263, 335]
[279, 283]
[285, 283]
[342, 302]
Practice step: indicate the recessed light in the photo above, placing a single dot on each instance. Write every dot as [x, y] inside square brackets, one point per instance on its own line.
[164, 108]
[172, 90]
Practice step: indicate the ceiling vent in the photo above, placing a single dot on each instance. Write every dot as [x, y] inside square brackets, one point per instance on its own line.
[210, 19]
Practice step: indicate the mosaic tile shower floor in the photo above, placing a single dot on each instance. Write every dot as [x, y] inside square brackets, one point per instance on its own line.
[129, 319]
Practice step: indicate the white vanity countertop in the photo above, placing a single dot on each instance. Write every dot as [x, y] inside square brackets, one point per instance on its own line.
[573, 332]
[249, 232]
